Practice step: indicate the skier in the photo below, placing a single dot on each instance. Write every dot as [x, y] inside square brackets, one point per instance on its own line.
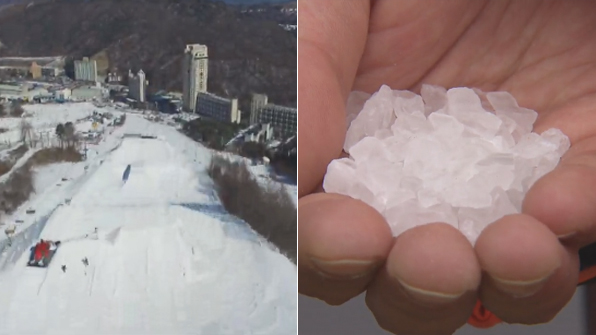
[32, 256]
[126, 174]
[86, 263]
[64, 268]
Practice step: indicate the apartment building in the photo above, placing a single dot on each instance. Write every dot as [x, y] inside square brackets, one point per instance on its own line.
[194, 77]
[137, 86]
[86, 69]
[218, 108]
[283, 119]
[257, 102]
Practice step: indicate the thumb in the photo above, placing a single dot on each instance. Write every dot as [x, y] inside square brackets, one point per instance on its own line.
[331, 39]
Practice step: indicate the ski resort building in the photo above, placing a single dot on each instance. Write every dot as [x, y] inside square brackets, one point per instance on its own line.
[36, 67]
[194, 74]
[35, 70]
[86, 69]
[137, 86]
[89, 93]
[63, 94]
[257, 102]
[283, 119]
[24, 92]
[218, 108]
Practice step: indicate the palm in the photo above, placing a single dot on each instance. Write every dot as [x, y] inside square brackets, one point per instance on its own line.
[543, 53]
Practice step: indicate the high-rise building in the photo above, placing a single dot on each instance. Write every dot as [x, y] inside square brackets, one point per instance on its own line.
[194, 77]
[256, 104]
[137, 85]
[86, 69]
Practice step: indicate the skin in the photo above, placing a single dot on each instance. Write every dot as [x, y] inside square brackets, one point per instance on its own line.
[524, 267]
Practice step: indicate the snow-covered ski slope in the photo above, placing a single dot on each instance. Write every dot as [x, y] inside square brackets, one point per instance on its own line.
[165, 259]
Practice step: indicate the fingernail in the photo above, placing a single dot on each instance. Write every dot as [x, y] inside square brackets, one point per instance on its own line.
[565, 237]
[347, 269]
[428, 297]
[520, 288]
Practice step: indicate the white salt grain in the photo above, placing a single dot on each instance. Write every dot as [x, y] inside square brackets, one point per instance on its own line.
[434, 98]
[356, 101]
[343, 176]
[459, 156]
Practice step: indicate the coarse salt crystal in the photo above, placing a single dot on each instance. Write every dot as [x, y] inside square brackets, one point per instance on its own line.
[459, 156]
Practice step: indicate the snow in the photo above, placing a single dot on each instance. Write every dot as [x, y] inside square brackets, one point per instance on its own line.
[45, 118]
[166, 258]
[19, 163]
[45, 176]
[87, 125]
[263, 172]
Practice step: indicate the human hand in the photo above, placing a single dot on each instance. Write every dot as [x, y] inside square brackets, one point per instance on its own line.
[524, 267]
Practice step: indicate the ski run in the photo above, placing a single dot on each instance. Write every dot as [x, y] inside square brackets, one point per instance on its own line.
[155, 254]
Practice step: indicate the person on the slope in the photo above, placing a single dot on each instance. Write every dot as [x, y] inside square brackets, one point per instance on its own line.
[40, 251]
[32, 256]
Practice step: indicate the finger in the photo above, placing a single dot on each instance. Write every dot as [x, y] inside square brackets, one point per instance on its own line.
[564, 199]
[342, 243]
[528, 276]
[429, 283]
[403, 49]
[331, 39]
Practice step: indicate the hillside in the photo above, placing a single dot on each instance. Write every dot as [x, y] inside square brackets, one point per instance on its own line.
[283, 13]
[253, 2]
[247, 54]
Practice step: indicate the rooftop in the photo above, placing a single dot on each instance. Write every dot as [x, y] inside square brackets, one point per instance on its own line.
[278, 107]
[217, 97]
[26, 61]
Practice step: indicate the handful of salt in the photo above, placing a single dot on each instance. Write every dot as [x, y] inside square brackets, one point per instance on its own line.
[459, 156]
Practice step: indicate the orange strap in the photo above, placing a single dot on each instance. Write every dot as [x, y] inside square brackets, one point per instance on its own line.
[483, 318]
[587, 274]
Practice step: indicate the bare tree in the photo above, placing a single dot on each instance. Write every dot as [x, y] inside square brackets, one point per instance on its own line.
[17, 109]
[27, 134]
[75, 140]
[60, 131]
[69, 135]
[268, 209]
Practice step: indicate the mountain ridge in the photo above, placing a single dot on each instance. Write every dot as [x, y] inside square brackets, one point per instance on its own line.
[247, 54]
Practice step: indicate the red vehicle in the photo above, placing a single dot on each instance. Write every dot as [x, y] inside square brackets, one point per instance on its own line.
[42, 249]
[42, 253]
